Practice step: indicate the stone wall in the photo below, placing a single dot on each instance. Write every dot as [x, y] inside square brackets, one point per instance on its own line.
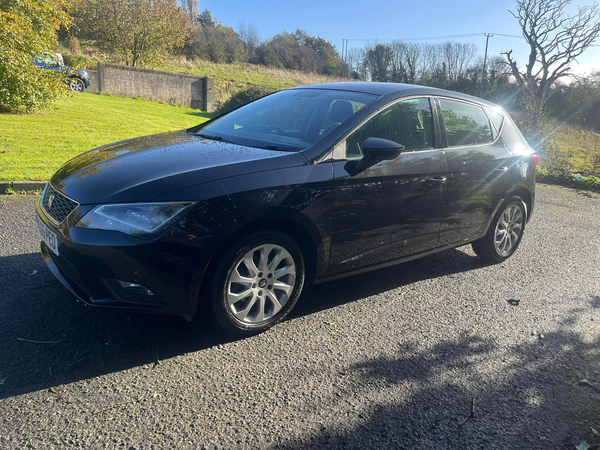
[172, 88]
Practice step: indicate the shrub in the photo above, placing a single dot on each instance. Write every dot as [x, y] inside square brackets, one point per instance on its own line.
[566, 178]
[243, 97]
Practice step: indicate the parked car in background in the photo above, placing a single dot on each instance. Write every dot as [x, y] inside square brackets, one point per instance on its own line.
[77, 79]
[302, 186]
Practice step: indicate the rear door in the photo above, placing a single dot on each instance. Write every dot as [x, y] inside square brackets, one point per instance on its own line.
[393, 208]
[477, 169]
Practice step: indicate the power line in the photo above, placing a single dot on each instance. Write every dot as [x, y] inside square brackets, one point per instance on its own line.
[418, 38]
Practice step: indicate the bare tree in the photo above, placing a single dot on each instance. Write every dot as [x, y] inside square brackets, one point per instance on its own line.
[192, 9]
[412, 61]
[431, 61]
[555, 42]
[355, 60]
[249, 35]
[397, 69]
[458, 58]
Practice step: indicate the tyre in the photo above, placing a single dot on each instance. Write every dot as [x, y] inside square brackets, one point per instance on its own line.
[505, 232]
[257, 282]
[76, 84]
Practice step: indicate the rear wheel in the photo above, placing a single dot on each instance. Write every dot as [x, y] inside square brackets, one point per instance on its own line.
[257, 282]
[505, 232]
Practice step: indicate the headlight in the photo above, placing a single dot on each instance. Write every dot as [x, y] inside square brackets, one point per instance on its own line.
[143, 220]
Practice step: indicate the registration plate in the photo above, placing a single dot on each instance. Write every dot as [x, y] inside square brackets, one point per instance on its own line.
[48, 236]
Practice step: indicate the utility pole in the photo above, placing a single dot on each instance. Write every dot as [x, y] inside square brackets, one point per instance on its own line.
[344, 49]
[483, 75]
[345, 52]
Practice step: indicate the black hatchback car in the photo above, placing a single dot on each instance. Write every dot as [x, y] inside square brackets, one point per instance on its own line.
[302, 186]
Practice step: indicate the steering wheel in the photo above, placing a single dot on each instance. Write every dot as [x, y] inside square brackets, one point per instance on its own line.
[278, 130]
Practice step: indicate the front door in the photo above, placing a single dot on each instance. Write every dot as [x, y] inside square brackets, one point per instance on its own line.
[394, 208]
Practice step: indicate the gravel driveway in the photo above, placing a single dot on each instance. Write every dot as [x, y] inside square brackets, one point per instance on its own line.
[397, 358]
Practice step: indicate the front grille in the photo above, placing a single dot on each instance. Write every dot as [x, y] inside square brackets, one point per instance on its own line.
[57, 205]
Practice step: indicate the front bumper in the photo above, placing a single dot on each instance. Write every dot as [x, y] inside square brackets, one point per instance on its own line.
[90, 262]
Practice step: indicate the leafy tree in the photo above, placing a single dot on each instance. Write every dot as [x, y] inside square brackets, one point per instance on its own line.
[577, 103]
[378, 60]
[206, 19]
[217, 43]
[301, 51]
[143, 32]
[29, 28]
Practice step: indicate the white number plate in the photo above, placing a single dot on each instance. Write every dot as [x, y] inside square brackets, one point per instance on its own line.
[48, 236]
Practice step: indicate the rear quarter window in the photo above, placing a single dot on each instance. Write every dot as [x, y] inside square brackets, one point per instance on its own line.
[497, 117]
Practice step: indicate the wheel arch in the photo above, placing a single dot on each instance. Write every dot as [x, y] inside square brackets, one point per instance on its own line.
[527, 197]
[522, 191]
[310, 245]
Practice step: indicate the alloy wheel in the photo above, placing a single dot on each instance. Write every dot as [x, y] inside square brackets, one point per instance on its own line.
[260, 283]
[76, 85]
[508, 230]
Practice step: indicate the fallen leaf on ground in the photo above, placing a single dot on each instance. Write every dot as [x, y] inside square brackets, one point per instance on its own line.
[595, 432]
[583, 445]
[2, 380]
[53, 389]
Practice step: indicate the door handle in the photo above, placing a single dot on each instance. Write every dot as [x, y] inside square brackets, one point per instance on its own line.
[502, 169]
[437, 180]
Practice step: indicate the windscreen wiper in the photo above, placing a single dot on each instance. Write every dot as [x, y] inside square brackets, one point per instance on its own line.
[214, 138]
[277, 147]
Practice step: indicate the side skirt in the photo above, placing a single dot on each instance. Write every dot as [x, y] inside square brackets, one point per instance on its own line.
[396, 261]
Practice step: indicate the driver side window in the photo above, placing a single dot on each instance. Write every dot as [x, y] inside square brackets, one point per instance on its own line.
[409, 123]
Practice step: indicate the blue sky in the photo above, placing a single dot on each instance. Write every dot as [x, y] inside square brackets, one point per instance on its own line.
[354, 19]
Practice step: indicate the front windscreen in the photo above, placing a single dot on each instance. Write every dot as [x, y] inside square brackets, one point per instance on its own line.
[287, 120]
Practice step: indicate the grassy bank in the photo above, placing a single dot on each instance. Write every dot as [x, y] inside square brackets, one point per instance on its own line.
[578, 149]
[229, 78]
[33, 146]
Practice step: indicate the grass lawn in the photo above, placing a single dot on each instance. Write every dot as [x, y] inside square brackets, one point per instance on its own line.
[33, 146]
[578, 147]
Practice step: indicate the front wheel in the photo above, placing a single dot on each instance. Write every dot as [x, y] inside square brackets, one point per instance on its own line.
[76, 84]
[257, 282]
[505, 232]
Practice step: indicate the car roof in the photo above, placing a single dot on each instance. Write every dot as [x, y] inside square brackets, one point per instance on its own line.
[381, 89]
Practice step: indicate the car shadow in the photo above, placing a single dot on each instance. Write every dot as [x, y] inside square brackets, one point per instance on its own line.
[47, 338]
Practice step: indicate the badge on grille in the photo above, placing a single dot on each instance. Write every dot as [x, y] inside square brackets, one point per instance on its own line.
[51, 200]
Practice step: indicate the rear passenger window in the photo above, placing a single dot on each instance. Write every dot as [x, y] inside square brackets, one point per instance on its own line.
[409, 123]
[465, 124]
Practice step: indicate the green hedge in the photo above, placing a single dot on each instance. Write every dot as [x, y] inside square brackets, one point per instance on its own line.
[564, 178]
[243, 97]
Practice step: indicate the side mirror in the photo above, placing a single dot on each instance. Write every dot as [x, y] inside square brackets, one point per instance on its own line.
[381, 149]
[376, 150]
